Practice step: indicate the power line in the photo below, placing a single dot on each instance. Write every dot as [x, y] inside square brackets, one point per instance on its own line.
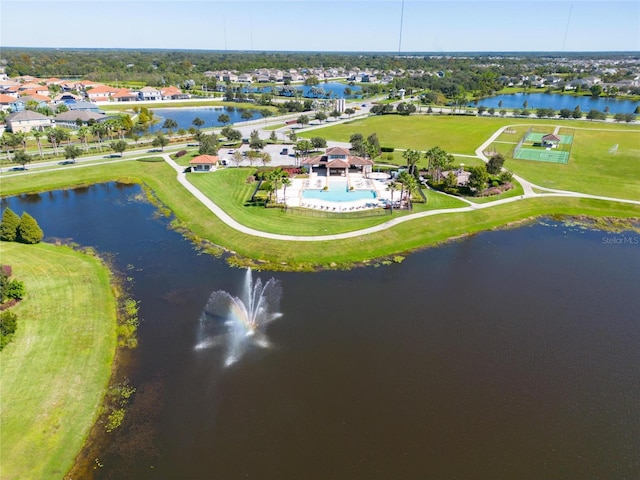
[401, 21]
[566, 30]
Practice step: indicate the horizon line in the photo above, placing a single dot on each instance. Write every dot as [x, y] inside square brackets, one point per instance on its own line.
[386, 52]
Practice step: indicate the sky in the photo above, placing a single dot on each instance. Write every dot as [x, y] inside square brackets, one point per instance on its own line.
[319, 25]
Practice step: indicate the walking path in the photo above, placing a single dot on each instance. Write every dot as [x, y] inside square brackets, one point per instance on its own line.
[526, 185]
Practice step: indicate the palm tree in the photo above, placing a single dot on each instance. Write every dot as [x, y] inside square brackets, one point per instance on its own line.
[169, 124]
[438, 161]
[83, 133]
[286, 182]
[392, 186]
[38, 134]
[52, 138]
[98, 130]
[412, 157]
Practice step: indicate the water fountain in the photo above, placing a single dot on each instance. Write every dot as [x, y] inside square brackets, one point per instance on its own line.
[245, 317]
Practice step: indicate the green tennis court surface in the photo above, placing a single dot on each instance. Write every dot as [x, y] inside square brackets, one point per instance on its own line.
[542, 155]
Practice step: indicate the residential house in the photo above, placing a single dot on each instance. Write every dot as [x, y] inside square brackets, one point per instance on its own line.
[229, 77]
[149, 93]
[22, 102]
[100, 93]
[12, 90]
[173, 93]
[33, 88]
[26, 121]
[67, 97]
[6, 101]
[91, 107]
[53, 81]
[124, 95]
[71, 118]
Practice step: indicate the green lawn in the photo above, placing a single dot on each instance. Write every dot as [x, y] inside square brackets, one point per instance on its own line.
[228, 189]
[453, 134]
[192, 215]
[56, 370]
[591, 168]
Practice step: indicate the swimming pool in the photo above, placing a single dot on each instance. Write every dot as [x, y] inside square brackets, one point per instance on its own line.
[338, 192]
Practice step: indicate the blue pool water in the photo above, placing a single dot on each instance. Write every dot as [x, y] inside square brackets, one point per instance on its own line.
[338, 192]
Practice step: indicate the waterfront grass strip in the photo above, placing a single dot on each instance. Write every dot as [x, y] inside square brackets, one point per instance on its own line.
[56, 370]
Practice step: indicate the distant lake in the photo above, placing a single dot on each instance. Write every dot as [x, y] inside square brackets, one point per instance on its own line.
[558, 102]
[331, 90]
[511, 354]
[185, 116]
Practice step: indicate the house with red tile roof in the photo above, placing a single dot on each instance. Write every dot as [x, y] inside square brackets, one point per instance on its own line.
[36, 93]
[53, 81]
[6, 101]
[100, 93]
[338, 160]
[124, 95]
[172, 93]
[204, 163]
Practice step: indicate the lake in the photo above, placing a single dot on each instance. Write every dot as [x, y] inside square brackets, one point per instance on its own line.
[558, 102]
[322, 90]
[184, 116]
[509, 354]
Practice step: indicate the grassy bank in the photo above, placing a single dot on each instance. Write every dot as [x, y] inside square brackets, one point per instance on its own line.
[55, 371]
[410, 235]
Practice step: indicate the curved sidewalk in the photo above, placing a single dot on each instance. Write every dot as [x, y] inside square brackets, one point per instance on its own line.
[229, 221]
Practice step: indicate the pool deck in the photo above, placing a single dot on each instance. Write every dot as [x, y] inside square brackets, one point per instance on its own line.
[318, 182]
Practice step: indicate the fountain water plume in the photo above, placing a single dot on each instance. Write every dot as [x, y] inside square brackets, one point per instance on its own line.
[245, 317]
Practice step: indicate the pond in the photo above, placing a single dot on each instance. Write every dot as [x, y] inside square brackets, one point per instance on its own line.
[507, 354]
[558, 102]
[184, 117]
[322, 90]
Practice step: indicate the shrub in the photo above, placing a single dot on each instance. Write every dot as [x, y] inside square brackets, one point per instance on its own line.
[506, 176]
[387, 149]
[29, 231]
[494, 183]
[181, 153]
[14, 290]
[9, 226]
[8, 326]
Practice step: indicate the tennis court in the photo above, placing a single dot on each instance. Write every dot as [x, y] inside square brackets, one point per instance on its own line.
[530, 147]
[542, 155]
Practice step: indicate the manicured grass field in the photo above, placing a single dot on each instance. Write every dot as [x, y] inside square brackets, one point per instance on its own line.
[56, 370]
[455, 134]
[591, 168]
[228, 189]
